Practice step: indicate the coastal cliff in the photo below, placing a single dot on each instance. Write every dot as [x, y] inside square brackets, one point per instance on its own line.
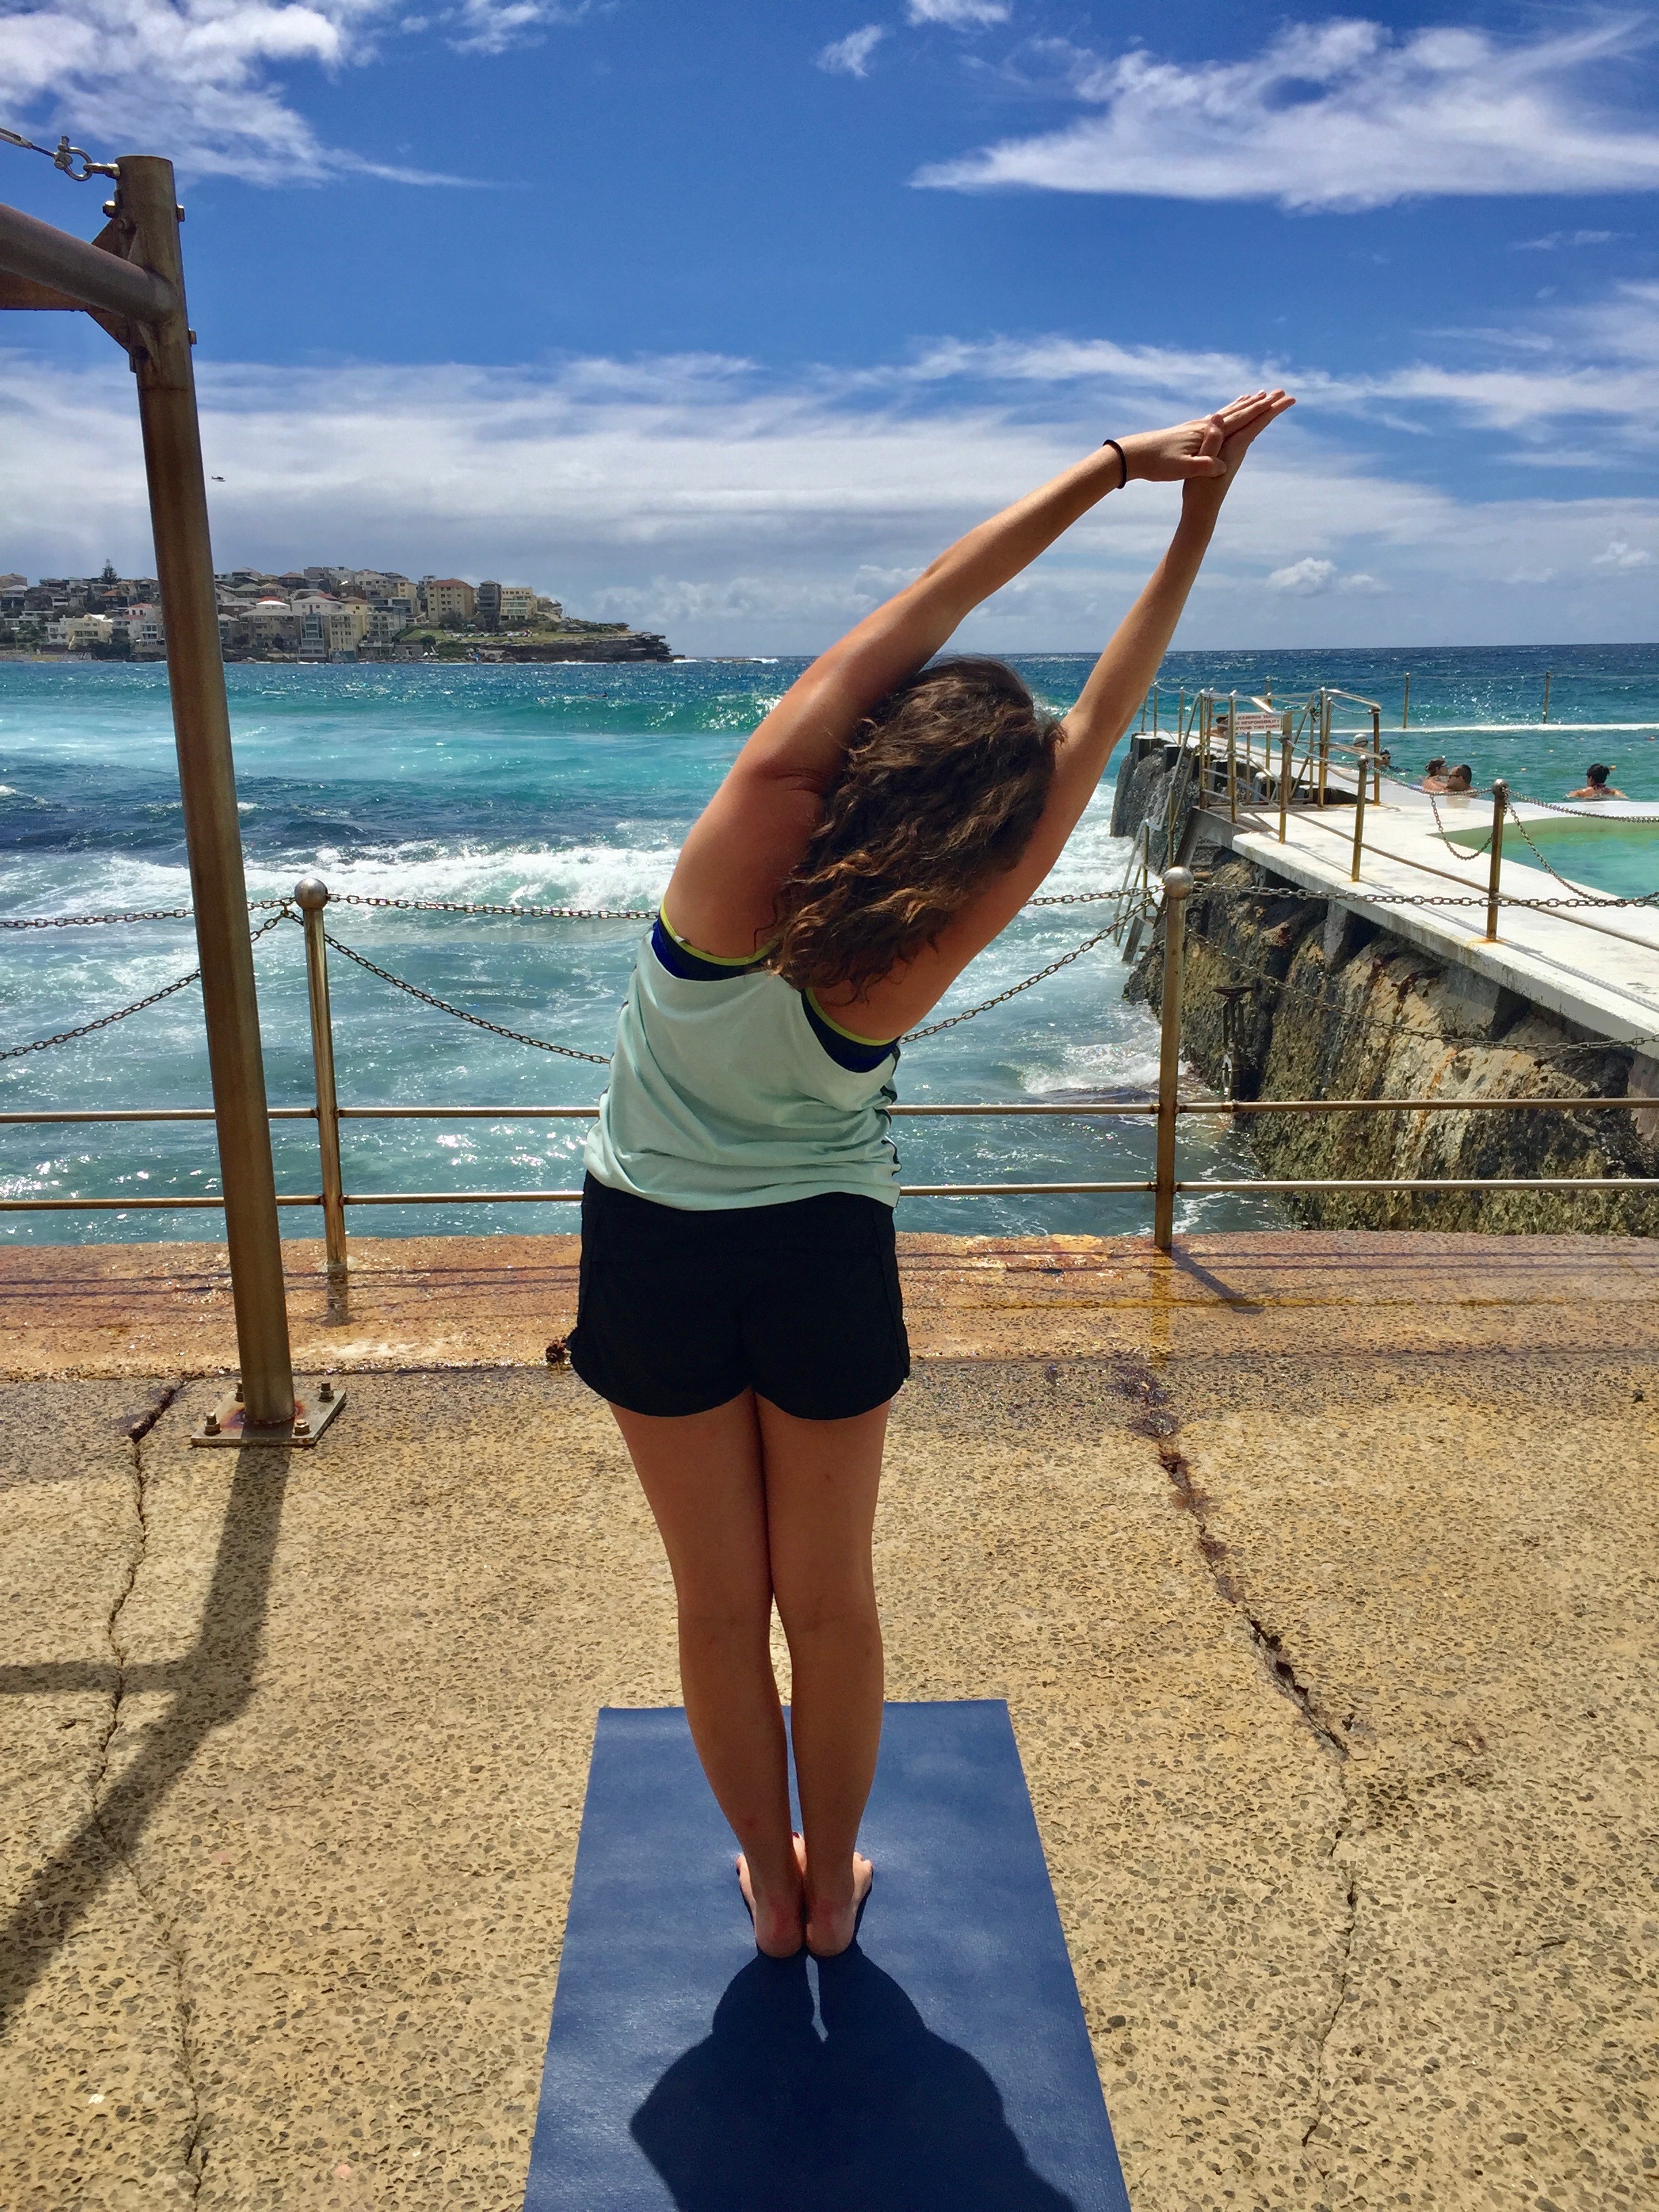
[1287, 996]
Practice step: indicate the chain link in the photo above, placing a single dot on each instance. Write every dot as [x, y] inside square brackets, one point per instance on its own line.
[477, 1021]
[1013, 992]
[1462, 852]
[521, 913]
[87, 920]
[104, 1021]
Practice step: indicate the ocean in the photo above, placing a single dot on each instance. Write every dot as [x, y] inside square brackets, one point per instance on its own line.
[573, 785]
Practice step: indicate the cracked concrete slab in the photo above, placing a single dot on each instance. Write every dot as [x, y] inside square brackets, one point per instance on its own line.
[1320, 1588]
[97, 2097]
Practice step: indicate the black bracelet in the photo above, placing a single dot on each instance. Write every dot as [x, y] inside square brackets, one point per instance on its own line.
[1122, 460]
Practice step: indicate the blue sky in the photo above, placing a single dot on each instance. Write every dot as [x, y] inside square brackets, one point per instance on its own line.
[723, 318]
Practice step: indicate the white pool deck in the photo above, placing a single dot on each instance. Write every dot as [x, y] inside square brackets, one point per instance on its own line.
[1596, 968]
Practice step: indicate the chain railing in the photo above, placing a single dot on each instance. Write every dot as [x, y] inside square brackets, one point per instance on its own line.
[1166, 1108]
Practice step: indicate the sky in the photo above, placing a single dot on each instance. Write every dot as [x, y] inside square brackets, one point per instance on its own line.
[723, 319]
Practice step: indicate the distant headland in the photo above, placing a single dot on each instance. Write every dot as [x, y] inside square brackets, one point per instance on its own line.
[315, 614]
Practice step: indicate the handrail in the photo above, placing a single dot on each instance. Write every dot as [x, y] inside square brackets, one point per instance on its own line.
[1166, 1108]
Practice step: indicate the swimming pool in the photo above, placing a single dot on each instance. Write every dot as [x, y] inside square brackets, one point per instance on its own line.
[1611, 854]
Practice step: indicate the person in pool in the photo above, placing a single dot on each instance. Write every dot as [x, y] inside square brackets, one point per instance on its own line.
[738, 1304]
[1596, 784]
[1434, 776]
[1460, 781]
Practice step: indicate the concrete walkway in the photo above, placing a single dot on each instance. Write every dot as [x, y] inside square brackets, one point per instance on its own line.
[1598, 970]
[1320, 1574]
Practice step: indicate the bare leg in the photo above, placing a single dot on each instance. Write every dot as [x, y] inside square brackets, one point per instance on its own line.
[822, 1479]
[702, 1475]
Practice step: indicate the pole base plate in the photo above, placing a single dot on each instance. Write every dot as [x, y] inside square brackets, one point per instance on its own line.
[226, 1423]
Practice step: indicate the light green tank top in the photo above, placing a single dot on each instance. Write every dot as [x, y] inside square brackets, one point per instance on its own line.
[723, 1092]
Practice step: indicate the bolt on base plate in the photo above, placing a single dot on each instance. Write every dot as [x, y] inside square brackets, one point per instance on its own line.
[315, 1405]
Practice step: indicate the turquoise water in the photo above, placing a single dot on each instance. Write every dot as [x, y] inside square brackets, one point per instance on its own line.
[569, 785]
[1622, 859]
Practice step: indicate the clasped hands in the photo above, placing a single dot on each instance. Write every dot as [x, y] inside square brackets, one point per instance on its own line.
[1209, 448]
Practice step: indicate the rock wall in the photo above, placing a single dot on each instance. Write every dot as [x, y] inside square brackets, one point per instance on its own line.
[1291, 997]
[1151, 773]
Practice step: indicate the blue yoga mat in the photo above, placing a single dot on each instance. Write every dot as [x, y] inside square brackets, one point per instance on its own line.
[940, 2065]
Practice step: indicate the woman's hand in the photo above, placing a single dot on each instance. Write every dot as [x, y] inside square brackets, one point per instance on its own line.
[1207, 449]
[1245, 421]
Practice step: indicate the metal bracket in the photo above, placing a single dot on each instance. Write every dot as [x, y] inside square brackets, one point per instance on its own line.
[315, 1406]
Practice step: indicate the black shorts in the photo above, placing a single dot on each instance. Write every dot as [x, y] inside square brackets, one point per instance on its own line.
[678, 1311]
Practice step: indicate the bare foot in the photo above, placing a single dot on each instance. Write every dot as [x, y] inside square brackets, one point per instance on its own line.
[777, 1920]
[830, 1926]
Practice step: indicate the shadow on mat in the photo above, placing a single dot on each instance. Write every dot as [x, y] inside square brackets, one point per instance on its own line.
[875, 2114]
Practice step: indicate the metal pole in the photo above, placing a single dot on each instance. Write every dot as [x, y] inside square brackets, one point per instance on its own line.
[1500, 800]
[201, 721]
[1232, 758]
[1285, 743]
[1154, 710]
[1177, 887]
[1358, 812]
[1324, 741]
[1376, 754]
[1406, 703]
[1547, 695]
[311, 895]
[57, 270]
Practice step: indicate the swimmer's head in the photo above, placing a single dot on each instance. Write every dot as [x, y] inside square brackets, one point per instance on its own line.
[1597, 773]
[943, 784]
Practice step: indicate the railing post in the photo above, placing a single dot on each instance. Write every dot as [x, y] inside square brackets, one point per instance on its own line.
[1285, 742]
[160, 356]
[1359, 783]
[1177, 887]
[1232, 758]
[1376, 755]
[311, 896]
[1324, 741]
[1406, 703]
[1500, 800]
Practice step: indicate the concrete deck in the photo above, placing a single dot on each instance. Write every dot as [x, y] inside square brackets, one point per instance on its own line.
[1320, 1573]
[1599, 969]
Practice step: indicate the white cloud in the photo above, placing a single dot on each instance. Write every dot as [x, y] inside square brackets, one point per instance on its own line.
[1593, 366]
[850, 56]
[1554, 239]
[740, 510]
[1344, 114]
[194, 74]
[961, 15]
[1621, 553]
[1304, 577]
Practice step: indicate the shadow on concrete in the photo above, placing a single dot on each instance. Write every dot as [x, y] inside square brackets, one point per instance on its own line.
[862, 2109]
[210, 1686]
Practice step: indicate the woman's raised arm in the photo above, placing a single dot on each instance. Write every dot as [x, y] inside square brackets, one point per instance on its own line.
[1088, 735]
[756, 828]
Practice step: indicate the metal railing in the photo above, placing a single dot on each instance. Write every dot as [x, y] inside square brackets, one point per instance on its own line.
[1166, 1109]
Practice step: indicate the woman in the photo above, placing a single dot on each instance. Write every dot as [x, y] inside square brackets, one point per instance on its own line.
[1434, 776]
[739, 1301]
[1596, 784]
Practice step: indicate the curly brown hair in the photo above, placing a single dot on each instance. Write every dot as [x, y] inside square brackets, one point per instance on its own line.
[943, 784]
